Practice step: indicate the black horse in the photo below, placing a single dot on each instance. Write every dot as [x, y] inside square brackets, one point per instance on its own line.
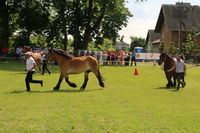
[168, 64]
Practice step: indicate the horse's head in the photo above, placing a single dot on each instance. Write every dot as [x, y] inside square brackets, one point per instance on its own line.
[162, 59]
[49, 55]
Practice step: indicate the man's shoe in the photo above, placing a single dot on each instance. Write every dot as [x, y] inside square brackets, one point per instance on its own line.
[41, 83]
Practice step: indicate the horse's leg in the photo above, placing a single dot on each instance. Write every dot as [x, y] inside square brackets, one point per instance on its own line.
[57, 87]
[168, 79]
[70, 83]
[99, 77]
[85, 80]
[171, 83]
[174, 78]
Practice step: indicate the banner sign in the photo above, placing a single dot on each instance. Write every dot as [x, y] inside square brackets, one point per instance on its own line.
[148, 56]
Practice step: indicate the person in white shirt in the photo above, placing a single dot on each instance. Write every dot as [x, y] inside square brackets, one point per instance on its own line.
[30, 68]
[70, 51]
[44, 64]
[18, 53]
[180, 69]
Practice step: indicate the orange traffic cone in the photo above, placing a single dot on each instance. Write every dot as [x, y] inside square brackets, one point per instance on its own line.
[136, 72]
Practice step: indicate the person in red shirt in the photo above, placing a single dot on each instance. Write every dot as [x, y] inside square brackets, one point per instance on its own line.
[4, 53]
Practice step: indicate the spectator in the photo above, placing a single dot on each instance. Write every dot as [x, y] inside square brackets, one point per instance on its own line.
[104, 58]
[44, 64]
[98, 57]
[108, 59]
[4, 53]
[133, 58]
[70, 51]
[87, 53]
[92, 54]
[18, 53]
[113, 57]
[119, 59]
[82, 53]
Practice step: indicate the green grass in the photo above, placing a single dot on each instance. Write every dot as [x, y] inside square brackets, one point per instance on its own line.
[128, 103]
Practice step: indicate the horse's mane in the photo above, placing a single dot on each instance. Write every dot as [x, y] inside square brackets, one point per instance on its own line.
[169, 57]
[62, 53]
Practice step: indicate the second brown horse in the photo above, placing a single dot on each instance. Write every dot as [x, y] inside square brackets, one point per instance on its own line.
[168, 64]
[74, 65]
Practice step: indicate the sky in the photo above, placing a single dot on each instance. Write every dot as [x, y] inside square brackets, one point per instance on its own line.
[145, 15]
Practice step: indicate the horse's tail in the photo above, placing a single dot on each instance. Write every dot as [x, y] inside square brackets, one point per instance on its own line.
[101, 79]
[100, 76]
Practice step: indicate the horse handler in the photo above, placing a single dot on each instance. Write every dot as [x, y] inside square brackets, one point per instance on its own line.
[44, 64]
[30, 68]
[180, 69]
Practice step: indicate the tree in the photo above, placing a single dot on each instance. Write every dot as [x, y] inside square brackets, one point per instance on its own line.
[33, 18]
[53, 20]
[137, 42]
[61, 17]
[189, 47]
[97, 19]
[6, 13]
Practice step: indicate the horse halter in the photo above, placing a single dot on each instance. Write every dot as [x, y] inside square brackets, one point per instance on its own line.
[49, 56]
[165, 58]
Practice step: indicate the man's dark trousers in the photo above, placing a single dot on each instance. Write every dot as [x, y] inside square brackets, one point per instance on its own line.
[29, 79]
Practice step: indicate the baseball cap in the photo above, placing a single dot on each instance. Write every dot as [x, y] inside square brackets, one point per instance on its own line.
[28, 53]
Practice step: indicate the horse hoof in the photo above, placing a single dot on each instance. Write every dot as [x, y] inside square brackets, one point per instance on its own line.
[55, 89]
[73, 85]
[102, 85]
[82, 89]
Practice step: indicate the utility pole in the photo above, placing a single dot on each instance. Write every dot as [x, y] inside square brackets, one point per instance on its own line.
[181, 14]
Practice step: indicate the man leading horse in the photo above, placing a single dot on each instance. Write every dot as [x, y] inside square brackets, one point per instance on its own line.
[180, 69]
[173, 68]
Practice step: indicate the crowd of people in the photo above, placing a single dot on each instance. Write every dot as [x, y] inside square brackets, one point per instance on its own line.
[106, 58]
[112, 58]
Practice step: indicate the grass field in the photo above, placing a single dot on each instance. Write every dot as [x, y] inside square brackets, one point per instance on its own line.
[128, 103]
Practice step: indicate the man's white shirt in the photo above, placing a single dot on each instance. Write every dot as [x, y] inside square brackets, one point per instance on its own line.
[30, 63]
[179, 66]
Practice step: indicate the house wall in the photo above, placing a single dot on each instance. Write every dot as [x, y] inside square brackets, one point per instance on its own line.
[197, 40]
[170, 38]
[122, 47]
[155, 48]
[165, 36]
[175, 38]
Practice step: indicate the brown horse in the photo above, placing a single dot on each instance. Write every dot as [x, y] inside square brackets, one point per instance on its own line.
[74, 65]
[168, 64]
[36, 56]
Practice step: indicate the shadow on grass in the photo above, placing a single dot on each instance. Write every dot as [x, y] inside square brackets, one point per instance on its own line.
[14, 66]
[51, 91]
[162, 88]
[172, 89]
[18, 73]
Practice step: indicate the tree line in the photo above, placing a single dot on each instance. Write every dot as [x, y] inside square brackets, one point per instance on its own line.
[49, 22]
